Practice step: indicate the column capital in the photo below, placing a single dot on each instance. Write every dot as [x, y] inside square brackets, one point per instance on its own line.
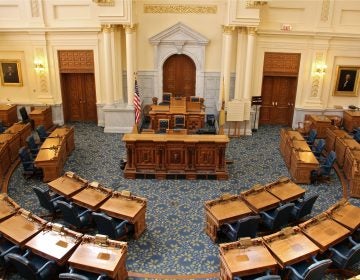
[130, 28]
[251, 30]
[228, 29]
[107, 28]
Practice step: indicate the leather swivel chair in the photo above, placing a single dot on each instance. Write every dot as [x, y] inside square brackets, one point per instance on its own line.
[74, 216]
[305, 270]
[245, 227]
[113, 228]
[277, 218]
[303, 207]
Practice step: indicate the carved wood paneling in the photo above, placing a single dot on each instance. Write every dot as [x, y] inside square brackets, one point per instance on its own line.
[281, 64]
[76, 61]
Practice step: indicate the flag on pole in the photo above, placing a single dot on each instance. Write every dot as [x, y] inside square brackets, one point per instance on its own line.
[222, 111]
[137, 103]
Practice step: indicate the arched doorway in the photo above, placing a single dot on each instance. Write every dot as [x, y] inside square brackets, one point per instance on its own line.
[179, 75]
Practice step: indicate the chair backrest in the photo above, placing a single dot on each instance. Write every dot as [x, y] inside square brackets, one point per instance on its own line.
[328, 164]
[105, 224]
[179, 121]
[44, 198]
[23, 266]
[317, 270]
[26, 159]
[353, 256]
[319, 147]
[163, 125]
[42, 132]
[31, 142]
[210, 120]
[312, 136]
[269, 277]
[306, 206]
[166, 97]
[2, 128]
[24, 115]
[70, 213]
[194, 99]
[357, 136]
[73, 276]
[282, 215]
[247, 227]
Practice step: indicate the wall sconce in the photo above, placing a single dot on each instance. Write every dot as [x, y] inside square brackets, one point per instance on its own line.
[39, 67]
[320, 69]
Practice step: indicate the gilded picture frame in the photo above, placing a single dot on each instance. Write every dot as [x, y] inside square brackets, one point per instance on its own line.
[347, 81]
[10, 72]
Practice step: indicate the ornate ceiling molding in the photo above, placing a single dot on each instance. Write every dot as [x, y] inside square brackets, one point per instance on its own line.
[180, 9]
[105, 2]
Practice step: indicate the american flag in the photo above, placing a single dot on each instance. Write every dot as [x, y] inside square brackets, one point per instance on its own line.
[137, 105]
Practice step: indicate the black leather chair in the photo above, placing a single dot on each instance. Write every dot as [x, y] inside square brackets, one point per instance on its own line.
[34, 148]
[267, 276]
[81, 275]
[75, 216]
[245, 227]
[42, 133]
[325, 168]
[48, 201]
[25, 117]
[179, 121]
[33, 267]
[303, 207]
[7, 247]
[277, 218]
[318, 147]
[310, 139]
[113, 228]
[163, 125]
[2, 128]
[306, 270]
[27, 162]
[346, 253]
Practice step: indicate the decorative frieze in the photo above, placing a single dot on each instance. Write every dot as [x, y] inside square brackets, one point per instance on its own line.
[105, 2]
[179, 9]
[253, 4]
[284, 63]
[76, 61]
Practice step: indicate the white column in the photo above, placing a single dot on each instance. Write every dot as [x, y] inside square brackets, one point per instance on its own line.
[249, 63]
[240, 63]
[108, 67]
[225, 64]
[130, 66]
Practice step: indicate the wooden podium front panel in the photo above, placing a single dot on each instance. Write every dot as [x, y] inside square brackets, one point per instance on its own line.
[205, 157]
[145, 156]
[351, 120]
[175, 156]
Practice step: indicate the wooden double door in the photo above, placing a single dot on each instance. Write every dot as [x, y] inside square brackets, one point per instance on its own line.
[79, 97]
[278, 100]
[179, 75]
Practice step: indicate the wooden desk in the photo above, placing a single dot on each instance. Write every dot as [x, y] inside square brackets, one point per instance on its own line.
[290, 248]
[285, 190]
[332, 135]
[297, 145]
[42, 116]
[54, 245]
[171, 156]
[52, 159]
[130, 208]
[324, 231]
[286, 137]
[346, 214]
[109, 259]
[5, 159]
[68, 185]
[259, 199]
[8, 207]
[320, 123]
[8, 114]
[24, 129]
[19, 228]
[352, 171]
[302, 163]
[14, 144]
[341, 145]
[92, 196]
[351, 120]
[224, 210]
[68, 133]
[245, 258]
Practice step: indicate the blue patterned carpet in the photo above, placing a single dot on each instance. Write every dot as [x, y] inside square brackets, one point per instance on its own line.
[175, 241]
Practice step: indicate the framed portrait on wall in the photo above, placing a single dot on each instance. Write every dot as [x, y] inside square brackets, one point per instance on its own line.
[347, 81]
[10, 71]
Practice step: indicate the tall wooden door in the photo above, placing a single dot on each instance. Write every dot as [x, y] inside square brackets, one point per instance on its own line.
[179, 75]
[278, 99]
[79, 98]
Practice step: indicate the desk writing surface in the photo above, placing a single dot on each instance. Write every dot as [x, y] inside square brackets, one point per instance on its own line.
[51, 142]
[287, 191]
[46, 155]
[307, 157]
[7, 207]
[261, 200]
[5, 107]
[347, 215]
[353, 113]
[229, 209]
[325, 233]
[290, 249]
[300, 145]
[96, 258]
[19, 229]
[66, 186]
[61, 131]
[90, 198]
[53, 245]
[294, 135]
[250, 260]
[340, 133]
[351, 143]
[320, 118]
[123, 208]
[173, 137]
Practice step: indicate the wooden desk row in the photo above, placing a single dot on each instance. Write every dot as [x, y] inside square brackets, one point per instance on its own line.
[55, 242]
[290, 245]
[351, 120]
[54, 151]
[96, 197]
[8, 114]
[260, 198]
[297, 155]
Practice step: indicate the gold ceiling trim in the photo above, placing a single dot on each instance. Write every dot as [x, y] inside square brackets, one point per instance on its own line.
[105, 2]
[180, 9]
